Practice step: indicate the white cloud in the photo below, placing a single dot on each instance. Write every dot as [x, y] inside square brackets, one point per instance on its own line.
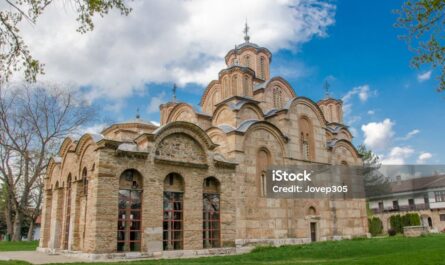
[153, 106]
[397, 156]
[165, 41]
[423, 157]
[424, 76]
[409, 135]
[371, 112]
[363, 93]
[155, 123]
[378, 134]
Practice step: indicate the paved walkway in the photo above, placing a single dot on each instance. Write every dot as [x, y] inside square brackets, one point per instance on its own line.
[35, 257]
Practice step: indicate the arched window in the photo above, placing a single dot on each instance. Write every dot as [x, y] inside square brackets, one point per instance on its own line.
[211, 225]
[173, 212]
[277, 99]
[306, 139]
[67, 212]
[262, 70]
[226, 88]
[331, 113]
[311, 211]
[129, 211]
[246, 85]
[234, 85]
[83, 190]
[263, 161]
[247, 61]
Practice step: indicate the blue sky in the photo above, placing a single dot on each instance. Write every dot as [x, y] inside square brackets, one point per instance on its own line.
[391, 107]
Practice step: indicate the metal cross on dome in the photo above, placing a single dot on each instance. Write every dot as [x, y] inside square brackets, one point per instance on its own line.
[174, 92]
[326, 89]
[246, 32]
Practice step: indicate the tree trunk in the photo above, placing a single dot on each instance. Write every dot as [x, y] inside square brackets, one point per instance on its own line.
[18, 222]
[8, 218]
[31, 230]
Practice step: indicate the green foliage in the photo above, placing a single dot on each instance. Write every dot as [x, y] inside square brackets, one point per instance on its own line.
[398, 222]
[391, 250]
[375, 182]
[424, 21]
[375, 226]
[411, 219]
[369, 158]
[18, 245]
[15, 54]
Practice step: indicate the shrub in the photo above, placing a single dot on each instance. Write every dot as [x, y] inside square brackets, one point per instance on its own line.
[391, 232]
[411, 219]
[396, 223]
[375, 226]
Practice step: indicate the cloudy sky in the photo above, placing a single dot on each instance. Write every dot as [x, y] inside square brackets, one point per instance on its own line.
[131, 62]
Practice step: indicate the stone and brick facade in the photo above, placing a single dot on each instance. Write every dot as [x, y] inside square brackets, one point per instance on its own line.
[195, 181]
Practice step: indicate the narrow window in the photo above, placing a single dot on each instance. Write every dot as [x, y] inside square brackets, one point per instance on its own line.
[84, 192]
[412, 205]
[85, 181]
[246, 85]
[211, 226]
[395, 205]
[262, 70]
[277, 99]
[247, 61]
[263, 161]
[68, 212]
[129, 211]
[173, 212]
[263, 184]
[306, 139]
[234, 85]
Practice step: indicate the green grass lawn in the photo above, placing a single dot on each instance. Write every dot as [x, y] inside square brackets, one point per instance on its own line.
[18, 245]
[388, 251]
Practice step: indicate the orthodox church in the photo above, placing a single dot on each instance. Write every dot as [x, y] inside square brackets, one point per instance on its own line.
[197, 182]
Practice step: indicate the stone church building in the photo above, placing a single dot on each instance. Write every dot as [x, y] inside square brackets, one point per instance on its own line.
[197, 181]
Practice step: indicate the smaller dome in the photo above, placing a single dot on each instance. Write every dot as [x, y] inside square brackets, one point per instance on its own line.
[138, 121]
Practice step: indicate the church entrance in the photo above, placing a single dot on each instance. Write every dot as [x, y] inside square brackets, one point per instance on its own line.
[129, 217]
[313, 231]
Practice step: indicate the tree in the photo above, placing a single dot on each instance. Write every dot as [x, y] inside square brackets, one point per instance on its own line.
[424, 21]
[375, 226]
[375, 182]
[33, 121]
[14, 53]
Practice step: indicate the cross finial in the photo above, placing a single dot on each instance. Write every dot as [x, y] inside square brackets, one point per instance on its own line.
[326, 89]
[174, 92]
[246, 32]
[138, 116]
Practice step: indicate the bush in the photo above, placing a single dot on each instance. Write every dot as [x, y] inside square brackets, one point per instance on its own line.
[396, 223]
[391, 232]
[375, 226]
[411, 219]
